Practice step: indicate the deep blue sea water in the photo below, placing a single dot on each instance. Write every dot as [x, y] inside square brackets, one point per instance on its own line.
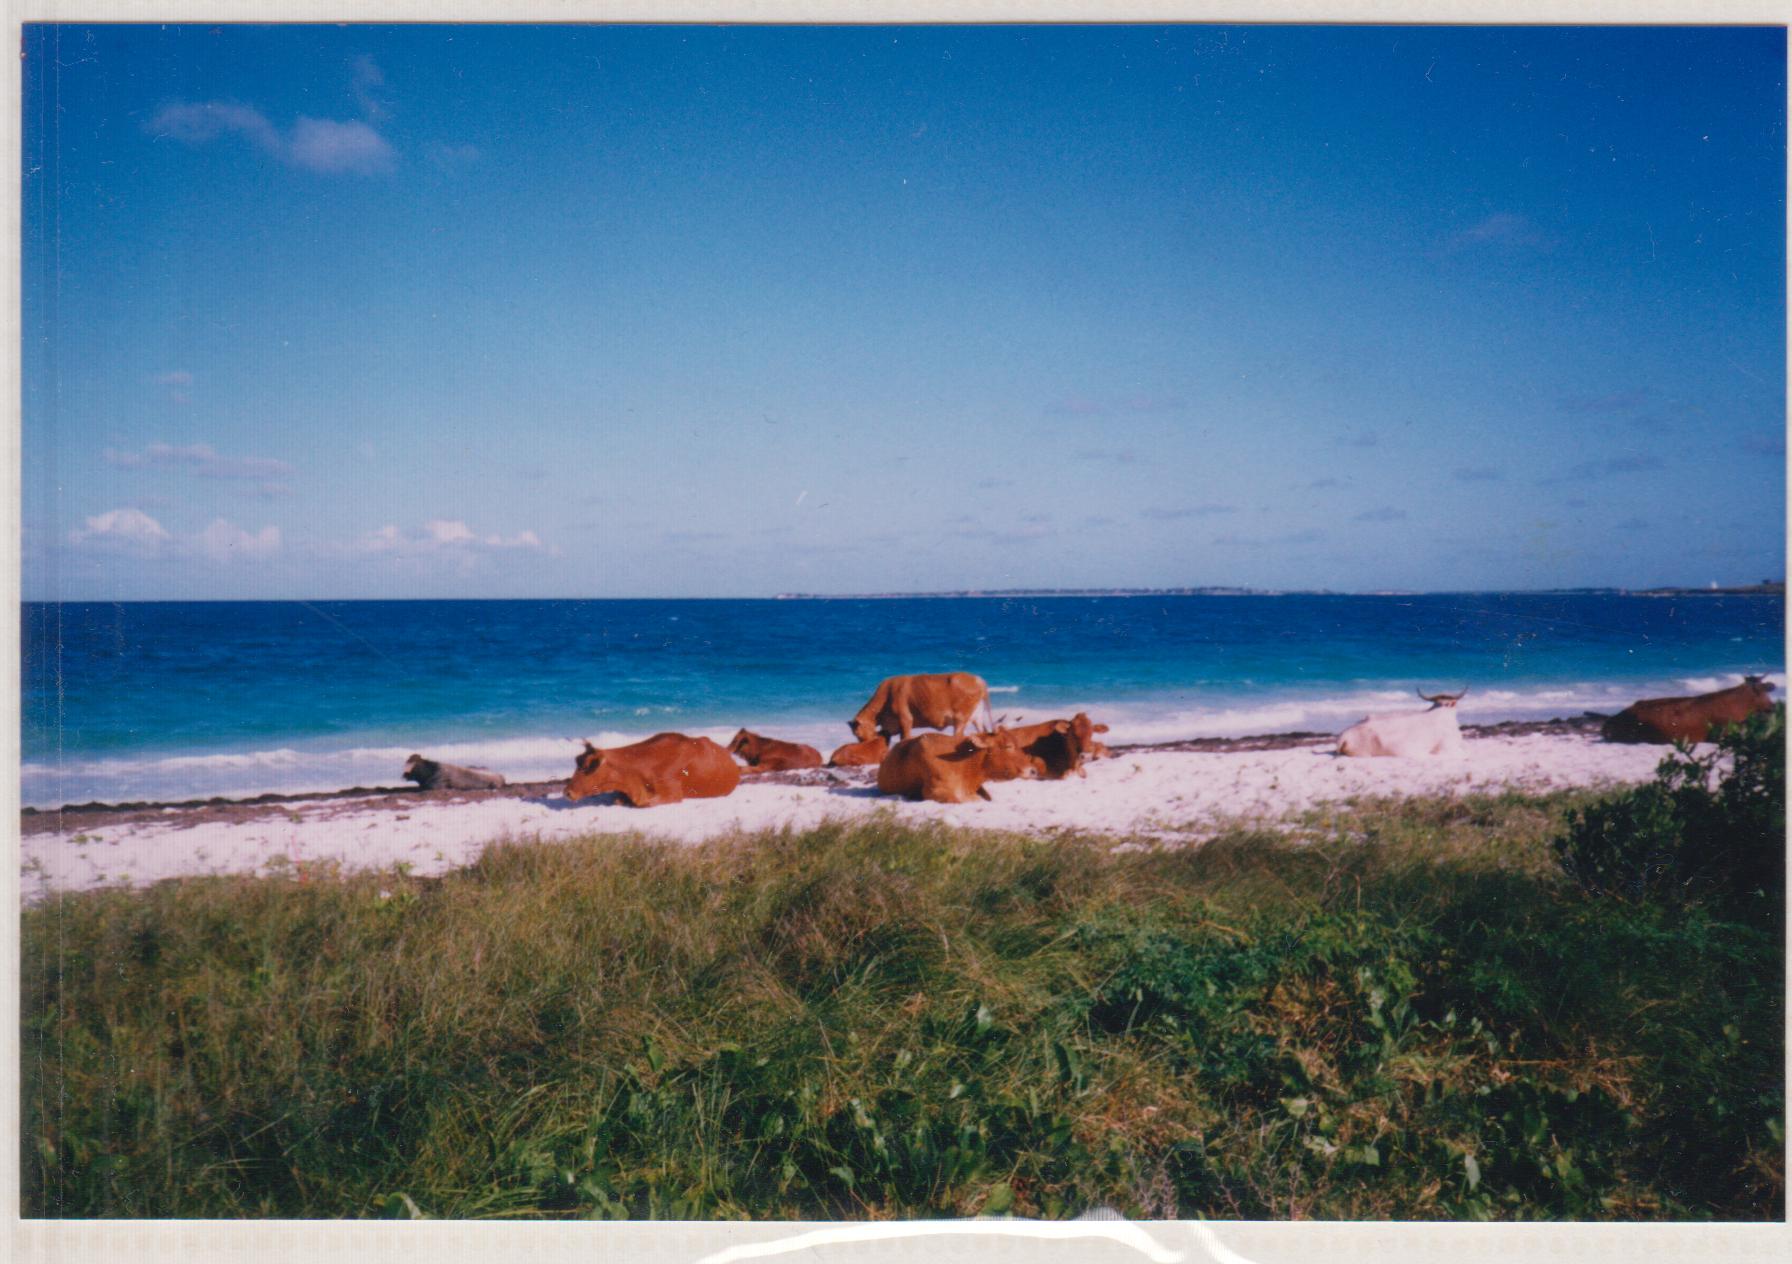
[176, 700]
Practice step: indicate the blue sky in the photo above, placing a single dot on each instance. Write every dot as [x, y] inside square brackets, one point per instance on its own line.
[460, 311]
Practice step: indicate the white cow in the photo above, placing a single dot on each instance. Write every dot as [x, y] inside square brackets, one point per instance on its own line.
[1432, 732]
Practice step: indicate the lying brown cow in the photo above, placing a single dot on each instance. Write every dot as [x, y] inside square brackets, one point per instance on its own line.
[430, 775]
[1689, 719]
[945, 769]
[666, 768]
[1058, 747]
[905, 703]
[864, 754]
[768, 754]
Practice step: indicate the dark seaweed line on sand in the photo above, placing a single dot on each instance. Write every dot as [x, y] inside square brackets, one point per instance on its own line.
[77, 816]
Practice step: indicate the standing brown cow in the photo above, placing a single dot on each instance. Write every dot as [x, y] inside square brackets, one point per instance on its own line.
[902, 704]
[666, 768]
[1689, 719]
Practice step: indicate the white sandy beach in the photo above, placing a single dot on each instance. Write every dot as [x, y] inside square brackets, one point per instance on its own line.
[1148, 794]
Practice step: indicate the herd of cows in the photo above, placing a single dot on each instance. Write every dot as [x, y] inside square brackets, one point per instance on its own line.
[671, 767]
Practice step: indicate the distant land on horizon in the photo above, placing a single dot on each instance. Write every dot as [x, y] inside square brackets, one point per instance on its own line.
[1767, 587]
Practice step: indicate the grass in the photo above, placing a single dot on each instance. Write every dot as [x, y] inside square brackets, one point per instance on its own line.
[1397, 1010]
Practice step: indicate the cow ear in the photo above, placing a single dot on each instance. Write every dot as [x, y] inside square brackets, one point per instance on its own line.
[589, 748]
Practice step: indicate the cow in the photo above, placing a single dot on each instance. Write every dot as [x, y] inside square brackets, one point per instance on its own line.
[430, 775]
[1665, 720]
[768, 754]
[1433, 732]
[903, 703]
[864, 754]
[1058, 747]
[666, 768]
[945, 769]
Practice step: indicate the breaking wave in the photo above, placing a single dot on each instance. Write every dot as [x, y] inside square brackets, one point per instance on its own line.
[1171, 717]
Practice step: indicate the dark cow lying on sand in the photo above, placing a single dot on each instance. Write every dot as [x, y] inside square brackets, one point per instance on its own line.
[902, 704]
[768, 754]
[1058, 747]
[666, 768]
[1689, 719]
[866, 754]
[429, 775]
[946, 769]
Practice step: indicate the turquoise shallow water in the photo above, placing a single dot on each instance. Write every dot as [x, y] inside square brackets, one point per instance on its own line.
[176, 700]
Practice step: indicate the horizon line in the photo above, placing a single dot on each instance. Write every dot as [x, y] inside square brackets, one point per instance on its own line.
[1767, 588]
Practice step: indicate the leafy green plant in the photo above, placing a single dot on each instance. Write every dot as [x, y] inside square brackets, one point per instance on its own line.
[1709, 826]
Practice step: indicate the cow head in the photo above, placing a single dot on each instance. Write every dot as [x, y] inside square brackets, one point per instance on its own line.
[863, 727]
[1003, 758]
[742, 742]
[416, 768]
[1761, 688]
[594, 774]
[1446, 700]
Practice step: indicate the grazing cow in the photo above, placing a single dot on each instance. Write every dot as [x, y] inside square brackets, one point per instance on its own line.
[1058, 747]
[945, 769]
[666, 768]
[768, 754]
[905, 703]
[429, 775]
[1433, 732]
[864, 754]
[1689, 719]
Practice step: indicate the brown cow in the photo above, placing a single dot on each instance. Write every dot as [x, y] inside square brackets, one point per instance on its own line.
[666, 768]
[860, 754]
[1689, 719]
[768, 754]
[1058, 747]
[905, 703]
[945, 769]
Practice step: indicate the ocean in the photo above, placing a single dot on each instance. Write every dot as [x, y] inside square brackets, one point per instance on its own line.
[177, 700]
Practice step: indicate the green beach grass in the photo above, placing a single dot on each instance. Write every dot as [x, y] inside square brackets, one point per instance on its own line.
[1396, 1009]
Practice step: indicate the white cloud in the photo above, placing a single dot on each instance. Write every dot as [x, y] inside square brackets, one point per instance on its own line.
[131, 528]
[443, 536]
[441, 532]
[368, 80]
[133, 531]
[196, 122]
[329, 147]
[322, 145]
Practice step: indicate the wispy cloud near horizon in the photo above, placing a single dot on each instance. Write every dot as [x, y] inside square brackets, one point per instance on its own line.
[201, 459]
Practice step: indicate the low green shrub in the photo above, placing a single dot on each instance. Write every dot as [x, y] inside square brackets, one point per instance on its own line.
[1709, 826]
